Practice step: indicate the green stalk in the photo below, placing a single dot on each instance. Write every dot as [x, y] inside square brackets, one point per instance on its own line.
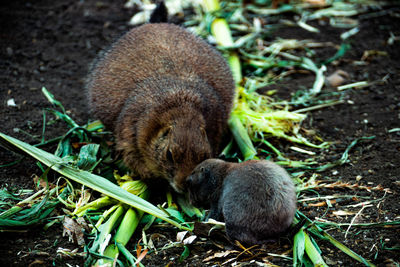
[88, 179]
[106, 228]
[211, 5]
[104, 216]
[128, 226]
[242, 138]
[234, 63]
[125, 231]
[222, 34]
[51, 99]
[94, 205]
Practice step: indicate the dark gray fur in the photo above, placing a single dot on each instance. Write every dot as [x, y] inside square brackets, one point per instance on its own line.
[256, 199]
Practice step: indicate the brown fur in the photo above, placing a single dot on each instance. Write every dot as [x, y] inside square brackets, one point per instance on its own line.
[257, 199]
[167, 95]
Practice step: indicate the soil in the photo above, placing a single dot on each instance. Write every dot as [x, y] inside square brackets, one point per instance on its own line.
[52, 43]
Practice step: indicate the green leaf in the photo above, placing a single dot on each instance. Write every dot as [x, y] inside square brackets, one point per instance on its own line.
[175, 214]
[298, 248]
[185, 253]
[344, 47]
[87, 156]
[188, 208]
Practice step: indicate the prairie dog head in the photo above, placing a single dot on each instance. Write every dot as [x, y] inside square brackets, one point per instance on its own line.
[204, 184]
[178, 148]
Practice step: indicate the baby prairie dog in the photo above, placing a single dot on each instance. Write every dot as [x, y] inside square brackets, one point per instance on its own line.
[256, 199]
[167, 96]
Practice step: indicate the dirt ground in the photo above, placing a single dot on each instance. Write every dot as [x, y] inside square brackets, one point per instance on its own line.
[52, 43]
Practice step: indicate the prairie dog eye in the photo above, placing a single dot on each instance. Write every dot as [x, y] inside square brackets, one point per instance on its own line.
[166, 133]
[169, 156]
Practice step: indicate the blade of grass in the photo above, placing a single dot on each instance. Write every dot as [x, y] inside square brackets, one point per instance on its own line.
[51, 99]
[345, 155]
[131, 259]
[319, 232]
[312, 251]
[346, 250]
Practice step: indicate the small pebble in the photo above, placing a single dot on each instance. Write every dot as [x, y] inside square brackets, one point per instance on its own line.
[358, 178]
[11, 102]
[10, 51]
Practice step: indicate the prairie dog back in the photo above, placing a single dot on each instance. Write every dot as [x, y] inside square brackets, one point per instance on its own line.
[155, 51]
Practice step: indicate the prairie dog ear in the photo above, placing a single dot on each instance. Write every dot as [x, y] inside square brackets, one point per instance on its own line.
[205, 173]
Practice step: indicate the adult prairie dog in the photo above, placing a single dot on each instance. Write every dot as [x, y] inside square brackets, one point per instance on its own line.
[167, 96]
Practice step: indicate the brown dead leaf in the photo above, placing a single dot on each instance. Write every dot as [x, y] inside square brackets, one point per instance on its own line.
[36, 263]
[339, 184]
[397, 183]
[140, 253]
[319, 3]
[41, 183]
[141, 257]
[321, 204]
[219, 255]
[79, 145]
[74, 229]
[368, 55]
